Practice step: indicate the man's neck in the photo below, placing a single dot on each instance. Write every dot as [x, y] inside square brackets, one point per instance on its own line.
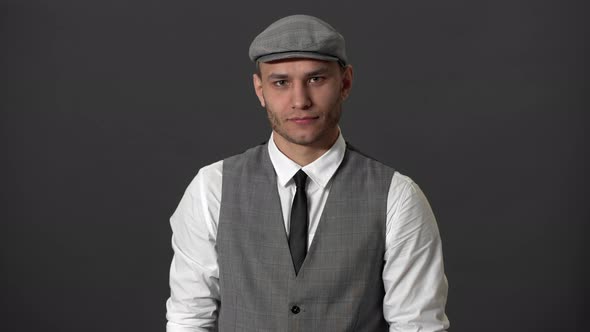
[303, 154]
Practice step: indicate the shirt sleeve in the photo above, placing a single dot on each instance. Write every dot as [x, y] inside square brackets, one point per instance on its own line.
[413, 276]
[194, 273]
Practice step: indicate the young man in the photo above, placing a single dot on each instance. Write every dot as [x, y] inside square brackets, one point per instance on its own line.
[304, 233]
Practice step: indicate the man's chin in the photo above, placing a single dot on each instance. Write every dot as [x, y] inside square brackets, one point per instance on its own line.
[304, 141]
[307, 140]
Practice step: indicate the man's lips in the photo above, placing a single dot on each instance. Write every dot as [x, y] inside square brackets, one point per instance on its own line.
[304, 119]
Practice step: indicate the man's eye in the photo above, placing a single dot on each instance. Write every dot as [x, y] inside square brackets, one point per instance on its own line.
[280, 83]
[315, 79]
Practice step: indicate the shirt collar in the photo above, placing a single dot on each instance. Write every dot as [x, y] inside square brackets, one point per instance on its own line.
[319, 171]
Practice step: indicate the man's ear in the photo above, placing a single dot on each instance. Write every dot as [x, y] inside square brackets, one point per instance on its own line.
[257, 81]
[347, 75]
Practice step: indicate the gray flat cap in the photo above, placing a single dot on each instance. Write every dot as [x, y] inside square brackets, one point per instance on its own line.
[298, 36]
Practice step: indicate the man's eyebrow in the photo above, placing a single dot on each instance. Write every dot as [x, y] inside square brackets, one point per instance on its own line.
[280, 76]
[277, 76]
[319, 71]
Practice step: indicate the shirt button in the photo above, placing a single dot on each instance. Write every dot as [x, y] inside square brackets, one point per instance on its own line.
[295, 309]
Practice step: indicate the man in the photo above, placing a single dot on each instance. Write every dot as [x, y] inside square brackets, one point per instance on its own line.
[304, 233]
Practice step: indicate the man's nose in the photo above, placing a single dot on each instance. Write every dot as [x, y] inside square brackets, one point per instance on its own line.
[300, 97]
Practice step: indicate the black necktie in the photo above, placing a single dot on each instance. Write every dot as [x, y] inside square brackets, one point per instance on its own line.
[299, 222]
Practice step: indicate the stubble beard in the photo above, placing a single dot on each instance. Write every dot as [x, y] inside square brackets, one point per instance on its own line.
[332, 119]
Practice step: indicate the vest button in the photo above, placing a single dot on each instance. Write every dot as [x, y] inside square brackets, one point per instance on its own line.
[295, 309]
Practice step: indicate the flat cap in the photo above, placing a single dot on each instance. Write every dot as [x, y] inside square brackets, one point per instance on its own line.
[298, 36]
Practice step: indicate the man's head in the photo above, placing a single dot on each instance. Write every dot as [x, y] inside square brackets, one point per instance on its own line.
[302, 79]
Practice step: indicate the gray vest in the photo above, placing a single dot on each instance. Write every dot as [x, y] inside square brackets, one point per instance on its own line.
[339, 287]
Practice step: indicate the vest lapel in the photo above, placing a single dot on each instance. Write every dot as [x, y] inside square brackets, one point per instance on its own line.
[325, 217]
[274, 215]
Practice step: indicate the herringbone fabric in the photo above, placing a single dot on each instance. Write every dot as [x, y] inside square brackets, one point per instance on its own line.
[339, 286]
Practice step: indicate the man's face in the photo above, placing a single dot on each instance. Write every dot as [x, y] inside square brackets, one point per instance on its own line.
[303, 99]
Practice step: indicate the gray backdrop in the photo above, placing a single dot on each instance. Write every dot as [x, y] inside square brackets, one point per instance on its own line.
[109, 108]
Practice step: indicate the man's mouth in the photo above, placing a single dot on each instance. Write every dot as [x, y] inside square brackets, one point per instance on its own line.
[304, 119]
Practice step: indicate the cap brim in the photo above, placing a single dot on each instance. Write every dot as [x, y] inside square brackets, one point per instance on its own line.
[296, 55]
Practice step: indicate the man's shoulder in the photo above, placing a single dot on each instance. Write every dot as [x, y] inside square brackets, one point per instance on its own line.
[368, 160]
[399, 180]
[213, 173]
[212, 170]
[252, 157]
[249, 153]
[207, 176]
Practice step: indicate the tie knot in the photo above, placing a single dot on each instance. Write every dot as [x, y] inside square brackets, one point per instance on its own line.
[300, 178]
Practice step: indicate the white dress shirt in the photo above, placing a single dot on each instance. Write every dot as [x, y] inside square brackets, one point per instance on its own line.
[413, 274]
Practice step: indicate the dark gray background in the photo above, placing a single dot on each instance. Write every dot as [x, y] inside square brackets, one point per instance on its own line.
[109, 108]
